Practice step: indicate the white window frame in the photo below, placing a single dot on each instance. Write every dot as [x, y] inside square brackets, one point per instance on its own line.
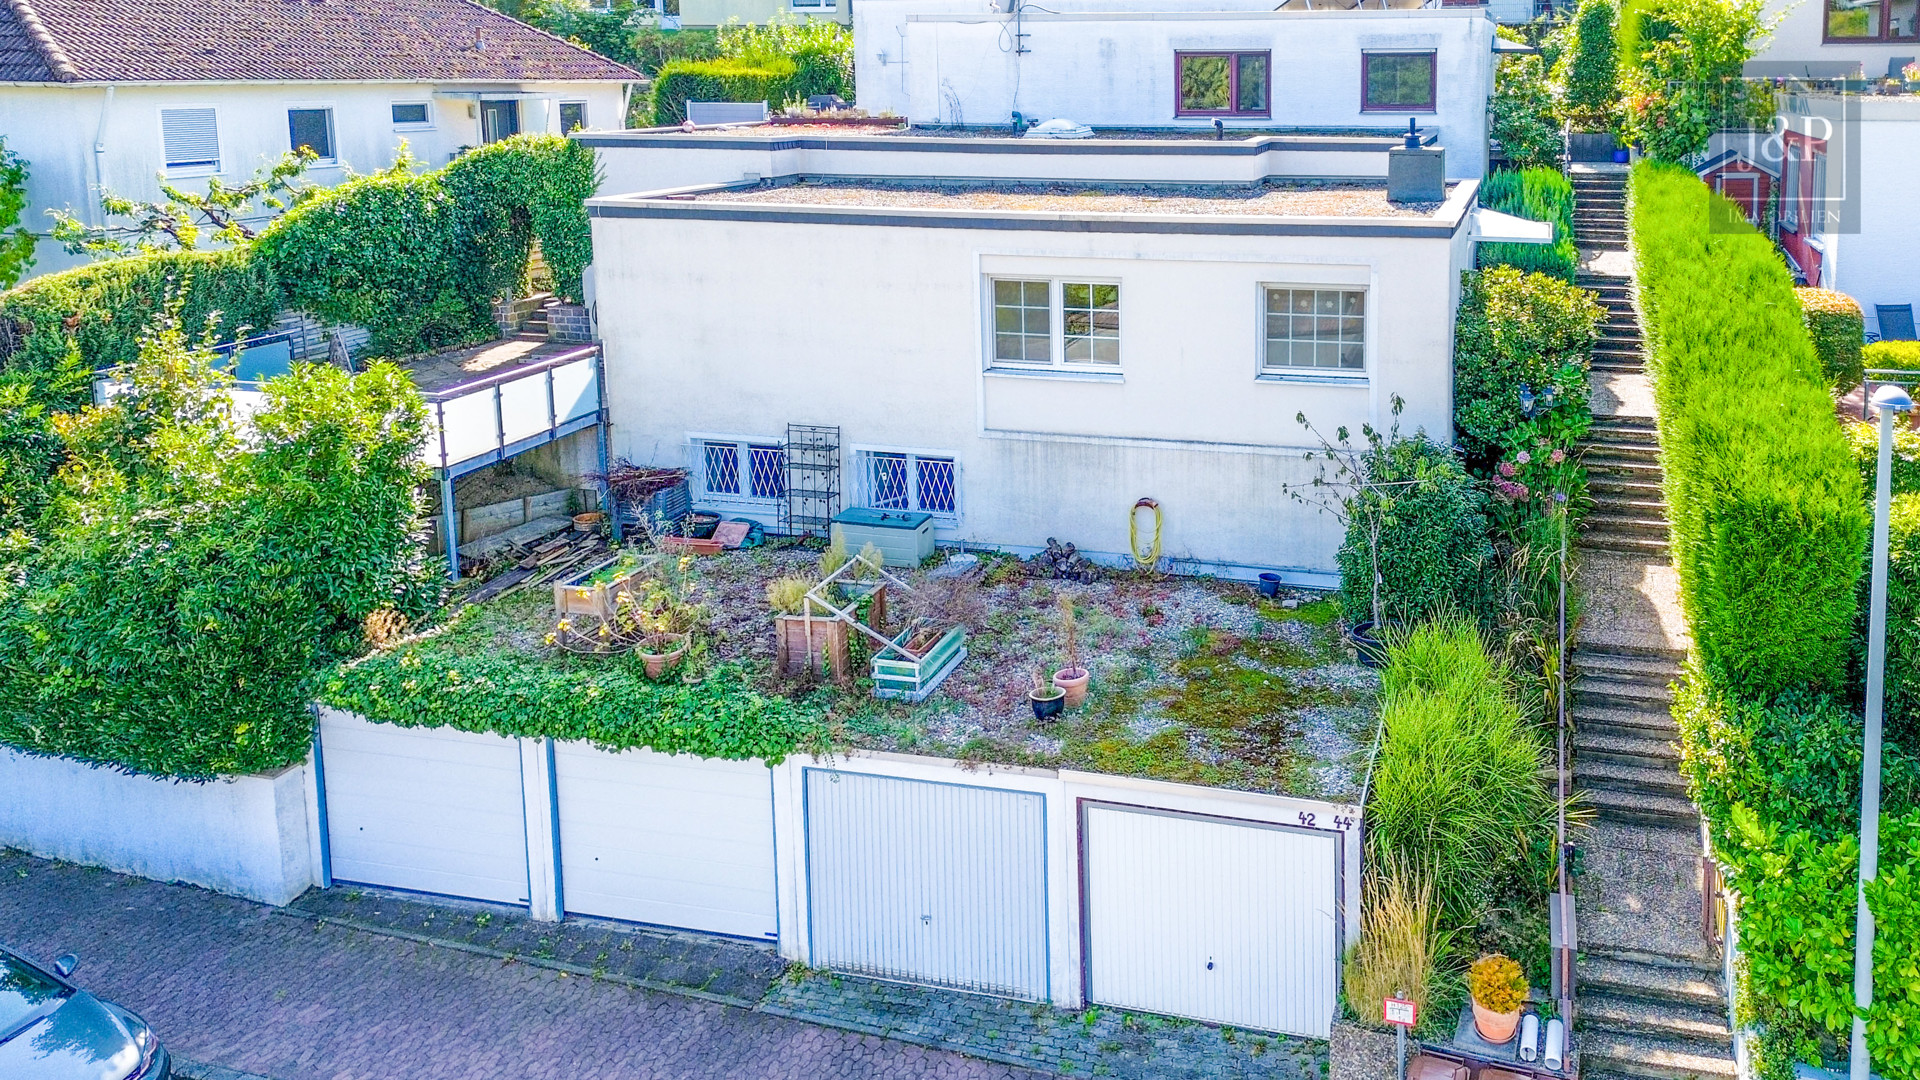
[219, 140]
[333, 131]
[862, 486]
[1056, 326]
[411, 125]
[1368, 330]
[697, 443]
[559, 113]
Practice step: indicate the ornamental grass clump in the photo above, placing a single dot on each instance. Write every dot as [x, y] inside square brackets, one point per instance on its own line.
[1401, 945]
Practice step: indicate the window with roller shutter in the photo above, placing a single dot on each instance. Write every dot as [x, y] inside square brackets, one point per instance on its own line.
[190, 138]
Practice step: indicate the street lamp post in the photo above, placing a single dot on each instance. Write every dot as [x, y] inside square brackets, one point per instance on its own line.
[1891, 401]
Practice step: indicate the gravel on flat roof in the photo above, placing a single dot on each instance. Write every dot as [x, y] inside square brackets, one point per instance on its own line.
[1302, 199]
[902, 130]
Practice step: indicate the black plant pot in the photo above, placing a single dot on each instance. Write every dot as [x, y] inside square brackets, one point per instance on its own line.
[1269, 585]
[1368, 642]
[1047, 708]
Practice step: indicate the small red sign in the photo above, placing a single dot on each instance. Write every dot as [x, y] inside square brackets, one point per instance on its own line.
[1396, 1011]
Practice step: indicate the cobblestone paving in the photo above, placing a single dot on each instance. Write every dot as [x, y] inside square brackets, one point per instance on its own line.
[238, 986]
[359, 984]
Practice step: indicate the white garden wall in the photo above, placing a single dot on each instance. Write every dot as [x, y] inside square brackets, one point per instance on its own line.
[248, 835]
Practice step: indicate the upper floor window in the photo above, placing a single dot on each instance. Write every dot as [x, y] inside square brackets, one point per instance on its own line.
[410, 114]
[1044, 322]
[812, 5]
[1397, 81]
[1318, 330]
[311, 129]
[1873, 20]
[190, 139]
[573, 116]
[1223, 83]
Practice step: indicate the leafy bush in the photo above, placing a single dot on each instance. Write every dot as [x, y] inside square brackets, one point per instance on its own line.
[1456, 790]
[681, 81]
[193, 577]
[1764, 499]
[1518, 329]
[1539, 194]
[16, 242]
[1864, 440]
[1837, 328]
[1432, 550]
[1497, 983]
[779, 63]
[1522, 113]
[1894, 355]
[1684, 83]
[653, 48]
[29, 451]
[1902, 685]
[1589, 73]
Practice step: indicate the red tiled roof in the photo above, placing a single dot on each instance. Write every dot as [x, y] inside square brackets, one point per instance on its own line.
[282, 41]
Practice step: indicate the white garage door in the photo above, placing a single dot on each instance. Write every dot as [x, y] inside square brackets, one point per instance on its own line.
[1227, 921]
[928, 882]
[672, 840]
[430, 809]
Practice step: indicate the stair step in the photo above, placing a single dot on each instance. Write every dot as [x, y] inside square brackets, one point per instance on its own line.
[1610, 506]
[1670, 1019]
[1612, 718]
[1625, 544]
[1687, 984]
[1602, 464]
[1624, 432]
[1653, 1056]
[1625, 667]
[1602, 520]
[1640, 807]
[1601, 774]
[1631, 693]
[1631, 750]
[1605, 484]
[1605, 454]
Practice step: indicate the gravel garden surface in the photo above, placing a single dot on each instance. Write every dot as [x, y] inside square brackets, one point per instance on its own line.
[1193, 680]
[1299, 199]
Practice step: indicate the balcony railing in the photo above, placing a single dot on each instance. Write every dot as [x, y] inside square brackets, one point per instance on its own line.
[476, 423]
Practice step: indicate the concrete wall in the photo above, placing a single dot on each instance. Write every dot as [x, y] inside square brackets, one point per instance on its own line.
[251, 836]
[1797, 40]
[77, 139]
[948, 61]
[892, 347]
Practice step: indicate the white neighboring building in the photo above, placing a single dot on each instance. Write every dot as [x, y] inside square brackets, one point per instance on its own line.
[1827, 39]
[1023, 362]
[112, 93]
[1183, 63]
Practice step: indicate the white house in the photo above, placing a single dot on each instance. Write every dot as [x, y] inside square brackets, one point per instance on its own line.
[113, 93]
[1023, 360]
[1839, 38]
[1294, 66]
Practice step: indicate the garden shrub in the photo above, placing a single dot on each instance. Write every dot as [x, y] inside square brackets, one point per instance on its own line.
[193, 577]
[29, 451]
[1864, 440]
[1518, 329]
[1521, 114]
[1837, 328]
[780, 63]
[1891, 355]
[1539, 194]
[1902, 676]
[681, 81]
[1764, 499]
[16, 241]
[1589, 73]
[1432, 550]
[1683, 81]
[1456, 791]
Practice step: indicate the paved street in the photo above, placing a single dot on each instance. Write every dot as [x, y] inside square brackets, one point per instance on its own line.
[233, 984]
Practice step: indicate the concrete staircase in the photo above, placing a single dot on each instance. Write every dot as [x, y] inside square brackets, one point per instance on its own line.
[1651, 999]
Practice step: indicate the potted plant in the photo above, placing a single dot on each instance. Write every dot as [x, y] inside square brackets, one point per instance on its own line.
[660, 652]
[1499, 990]
[1072, 679]
[936, 606]
[1047, 700]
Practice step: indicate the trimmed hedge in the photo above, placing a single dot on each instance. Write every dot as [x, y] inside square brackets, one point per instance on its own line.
[1539, 194]
[1769, 519]
[1891, 355]
[1838, 328]
[770, 80]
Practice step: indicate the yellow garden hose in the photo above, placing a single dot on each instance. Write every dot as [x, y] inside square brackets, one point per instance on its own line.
[1152, 558]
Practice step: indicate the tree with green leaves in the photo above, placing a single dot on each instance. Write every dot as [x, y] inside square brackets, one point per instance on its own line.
[1589, 73]
[1685, 80]
[1522, 114]
[185, 219]
[16, 243]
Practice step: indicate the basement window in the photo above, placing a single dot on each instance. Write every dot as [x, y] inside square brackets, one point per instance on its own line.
[747, 470]
[904, 480]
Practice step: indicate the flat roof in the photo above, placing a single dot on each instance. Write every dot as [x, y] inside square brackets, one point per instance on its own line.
[1303, 198]
[455, 367]
[999, 139]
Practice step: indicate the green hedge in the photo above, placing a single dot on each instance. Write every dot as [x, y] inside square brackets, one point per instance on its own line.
[1888, 355]
[1769, 523]
[769, 79]
[1516, 329]
[1538, 194]
[1864, 440]
[1837, 329]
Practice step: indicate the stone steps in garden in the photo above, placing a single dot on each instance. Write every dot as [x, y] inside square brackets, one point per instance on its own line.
[1611, 453]
[1640, 807]
[1652, 779]
[1649, 979]
[1651, 547]
[1661, 1019]
[1622, 366]
[1654, 670]
[1601, 485]
[1618, 722]
[1604, 519]
[1613, 503]
[1633, 750]
[1599, 463]
[1652, 1056]
[1622, 693]
[1635, 430]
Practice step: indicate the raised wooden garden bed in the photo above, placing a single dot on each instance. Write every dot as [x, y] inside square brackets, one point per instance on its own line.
[897, 673]
[598, 600]
[803, 644]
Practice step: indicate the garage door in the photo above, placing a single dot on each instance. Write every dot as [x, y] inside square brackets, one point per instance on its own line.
[429, 809]
[928, 882]
[1226, 921]
[672, 840]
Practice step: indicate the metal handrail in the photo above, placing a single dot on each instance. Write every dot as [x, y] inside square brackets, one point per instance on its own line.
[474, 386]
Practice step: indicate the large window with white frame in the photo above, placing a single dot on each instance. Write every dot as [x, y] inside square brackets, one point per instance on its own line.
[744, 471]
[908, 480]
[1315, 330]
[1045, 322]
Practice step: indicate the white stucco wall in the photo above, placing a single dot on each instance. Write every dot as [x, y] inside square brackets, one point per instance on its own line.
[881, 330]
[1112, 64]
[250, 836]
[77, 138]
[1797, 40]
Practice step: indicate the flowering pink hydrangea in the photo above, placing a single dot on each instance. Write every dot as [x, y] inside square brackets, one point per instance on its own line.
[1523, 458]
[1557, 456]
[1506, 469]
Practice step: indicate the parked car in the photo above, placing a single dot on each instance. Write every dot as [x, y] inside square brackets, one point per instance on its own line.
[51, 1029]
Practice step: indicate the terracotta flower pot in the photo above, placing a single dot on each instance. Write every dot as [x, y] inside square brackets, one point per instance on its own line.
[660, 652]
[589, 521]
[1074, 682]
[1496, 1028]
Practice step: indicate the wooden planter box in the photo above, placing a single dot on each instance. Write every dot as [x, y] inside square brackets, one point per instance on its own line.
[914, 680]
[690, 544]
[594, 601]
[796, 637]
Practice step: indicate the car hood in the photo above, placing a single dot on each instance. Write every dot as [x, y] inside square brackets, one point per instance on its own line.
[81, 1040]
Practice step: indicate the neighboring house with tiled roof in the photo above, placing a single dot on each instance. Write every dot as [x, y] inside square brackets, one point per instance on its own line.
[114, 93]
